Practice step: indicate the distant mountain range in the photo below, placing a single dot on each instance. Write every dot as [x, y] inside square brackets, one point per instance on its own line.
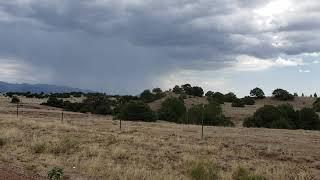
[38, 88]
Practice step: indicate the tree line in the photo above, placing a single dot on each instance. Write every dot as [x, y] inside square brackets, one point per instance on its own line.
[173, 109]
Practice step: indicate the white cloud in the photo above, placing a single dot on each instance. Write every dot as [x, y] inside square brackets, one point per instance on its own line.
[316, 62]
[251, 63]
[14, 70]
[208, 80]
[304, 70]
[313, 54]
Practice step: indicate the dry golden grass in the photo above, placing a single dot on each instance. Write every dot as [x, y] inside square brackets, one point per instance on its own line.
[93, 147]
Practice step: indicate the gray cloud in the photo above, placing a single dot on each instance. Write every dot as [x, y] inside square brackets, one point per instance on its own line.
[125, 45]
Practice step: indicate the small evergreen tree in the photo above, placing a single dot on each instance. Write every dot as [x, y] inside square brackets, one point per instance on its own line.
[136, 111]
[248, 100]
[238, 103]
[257, 93]
[177, 90]
[282, 94]
[172, 110]
[230, 97]
[15, 99]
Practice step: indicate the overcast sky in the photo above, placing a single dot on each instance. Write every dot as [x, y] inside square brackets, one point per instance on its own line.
[125, 46]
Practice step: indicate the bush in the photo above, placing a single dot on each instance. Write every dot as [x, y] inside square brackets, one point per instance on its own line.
[248, 100]
[177, 89]
[209, 93]
[212, 115]
[147, 96]
[136, 111]
[216, 97]
[192, 91]
[264, 117]
[230, 97]
[282, 95]
[316, 105]
[244, 174]
[55, 174]
[257, 93]
[204, 171]
[15, 100]
[95, 103]
[157, 90]
[307, 118]
[284, 117]
[238, 103]
[197, 91]
[54, 102]
[172, 110]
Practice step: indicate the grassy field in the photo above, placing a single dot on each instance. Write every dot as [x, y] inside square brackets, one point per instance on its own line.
[93, 147]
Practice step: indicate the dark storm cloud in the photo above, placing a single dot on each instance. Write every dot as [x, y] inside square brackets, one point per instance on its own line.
[123, 45]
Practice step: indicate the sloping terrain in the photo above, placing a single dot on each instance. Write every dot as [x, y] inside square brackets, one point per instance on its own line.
[93, 147]
[238, 114]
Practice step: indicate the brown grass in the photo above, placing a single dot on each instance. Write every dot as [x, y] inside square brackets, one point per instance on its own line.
[92, 147]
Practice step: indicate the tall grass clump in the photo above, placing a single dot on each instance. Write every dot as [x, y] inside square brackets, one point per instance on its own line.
[244, 174]
[204, 171]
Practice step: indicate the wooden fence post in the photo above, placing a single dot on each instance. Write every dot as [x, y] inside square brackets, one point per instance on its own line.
[202, 121]
[17, 109]
[62, 116]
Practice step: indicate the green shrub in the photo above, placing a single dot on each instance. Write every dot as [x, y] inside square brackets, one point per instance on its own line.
[307, 118]
[147, 96]
[136, 111]
[257, 93]
[172, 110]
[316, 105]
[248, 100]
[204, 171]
[191, 91]
[209, 93]
[15, 100]
[216, 97]
[230, 97]
[212, 115]
[55, 174]
[94, 103]
[282, 95]
[177, 90]
[263, 117]
[244, 174]
[238, 103]
[54, 102]
[284, 117]
[197, 91]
